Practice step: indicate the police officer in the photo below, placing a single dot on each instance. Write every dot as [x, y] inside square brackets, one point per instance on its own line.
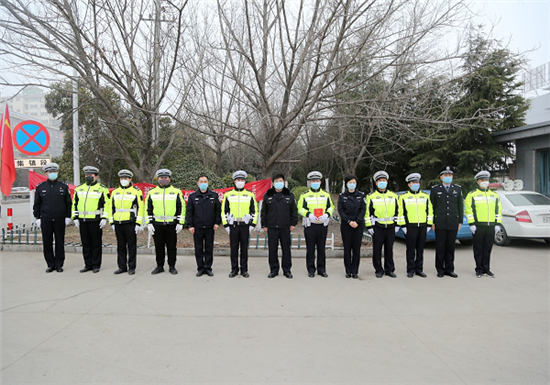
[203, 216]
[316, 208]
[52, 210]
[380, 219]
[415, 218]
[239, 217]
[165, 217]
[484, 213]
[90, 214]
[448, 206]
[127, 211]
[279, 218]
[352, 207]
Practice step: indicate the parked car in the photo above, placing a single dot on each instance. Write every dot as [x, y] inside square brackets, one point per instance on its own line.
[525, 214]
[464, 235]
[19, 192]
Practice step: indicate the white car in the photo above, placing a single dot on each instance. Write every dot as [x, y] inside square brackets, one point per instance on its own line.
[525, 214]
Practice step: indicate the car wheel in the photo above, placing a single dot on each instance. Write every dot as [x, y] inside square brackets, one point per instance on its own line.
[501, 237]
[466, 242]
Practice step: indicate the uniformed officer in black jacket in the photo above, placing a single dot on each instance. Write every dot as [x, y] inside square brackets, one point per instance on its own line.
[352, 206]
[203, 216]
[448, 205]
[52, 210]
[279, 217]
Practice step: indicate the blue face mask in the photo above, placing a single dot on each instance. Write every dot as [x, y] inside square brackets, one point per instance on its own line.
[316, 185]
[203, 186]
[447, 179]
[382, 185]
[52, 176]
[279, 185]
[415, 186]
[352, 186]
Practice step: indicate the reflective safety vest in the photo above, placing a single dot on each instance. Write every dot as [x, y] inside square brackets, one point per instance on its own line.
[382, 209]
[127, 205]
[316, 203]
[91, 202]
[239, 203]
[415, 209]
[165, 206]
[483, 207]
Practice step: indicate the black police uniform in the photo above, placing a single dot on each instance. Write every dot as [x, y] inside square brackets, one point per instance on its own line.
[448, 206]
[52, 204]
[203, 212]
[279, 212]
[352, 207]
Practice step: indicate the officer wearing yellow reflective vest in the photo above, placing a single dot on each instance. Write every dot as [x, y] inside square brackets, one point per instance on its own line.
[239, 217]
[165, 217]
[415, 218]
[127, 211]
[484, 214]
[316, 208]
[380, 219]
[90, 214]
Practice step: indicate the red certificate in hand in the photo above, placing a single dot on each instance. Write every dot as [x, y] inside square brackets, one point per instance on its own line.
[317, 212]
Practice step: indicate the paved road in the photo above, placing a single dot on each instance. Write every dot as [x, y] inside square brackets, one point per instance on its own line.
[102, 328]
[22, 213]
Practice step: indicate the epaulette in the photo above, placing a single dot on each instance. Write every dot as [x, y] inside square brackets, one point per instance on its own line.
[458, 185]
[41, 183]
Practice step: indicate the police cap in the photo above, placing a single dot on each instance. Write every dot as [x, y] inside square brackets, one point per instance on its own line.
[314, 175]
[380, 174]
[240, 174]
[51, 167]
[483, 175]
[91, 170]
[414, 177]
[125, 174]
[447, 170]
[163, 172]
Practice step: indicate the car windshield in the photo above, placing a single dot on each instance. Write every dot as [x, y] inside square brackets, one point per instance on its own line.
[528, 199]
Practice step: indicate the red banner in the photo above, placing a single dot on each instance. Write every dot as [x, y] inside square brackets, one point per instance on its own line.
[258, 188]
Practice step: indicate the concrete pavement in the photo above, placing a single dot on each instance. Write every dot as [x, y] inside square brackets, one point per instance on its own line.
[102, 328]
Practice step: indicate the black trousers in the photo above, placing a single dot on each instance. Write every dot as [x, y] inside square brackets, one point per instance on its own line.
[415, 240]
[483, 244]
[352, 239]
[238, 237]
[126, 245]
[316, 237]
[274, 235]
[383, 237]
[204, 248]
[91, 236]
[165, 236]
[445, 250]
[49, 230]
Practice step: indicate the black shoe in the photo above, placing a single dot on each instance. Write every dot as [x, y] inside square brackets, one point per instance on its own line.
[479, 275]
[348, 275]
[391, 274]
[50, 269]
[233, 274]
[490, 274]
[379, 275]
[354, 276]
[272, 275]
[288, 274]
[451, 274]
[209, 273]
[410, 275]
[440, 275]
[120, 271]
[245, 274]
[199, 273]
[323, 274]
[158, 269]
[311, 275]
[421, 274]
[59, 269]
[173, 270]
[85, 269]
[96, 269]
[131, 271]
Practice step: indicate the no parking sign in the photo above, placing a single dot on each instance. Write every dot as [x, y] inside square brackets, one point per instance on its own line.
[31, 138]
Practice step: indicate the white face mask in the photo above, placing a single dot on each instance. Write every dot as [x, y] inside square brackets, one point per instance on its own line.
[239, 185]
[124, 182]
[484, 185]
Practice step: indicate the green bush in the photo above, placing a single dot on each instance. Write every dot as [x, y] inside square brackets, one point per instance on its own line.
[186, 172]
[298, 191]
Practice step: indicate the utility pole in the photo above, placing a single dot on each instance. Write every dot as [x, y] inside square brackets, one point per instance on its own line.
[156, 72]
[76, 142]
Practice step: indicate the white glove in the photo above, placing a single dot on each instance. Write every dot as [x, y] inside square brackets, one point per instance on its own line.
[137, 229]
[230, 219]
[102, 223]
[250, 229]
[151, 228]
[370, 231]
[323, 217]
[312, 218]
[113, 227]
[228, 229]
[473, 229]
[397, 229]
[326, 221]
[306, 222]
[247, 218]
[38, 221]
[179, 227]
[76, 223]
[404, 230]
[67, 221]
[497, 228]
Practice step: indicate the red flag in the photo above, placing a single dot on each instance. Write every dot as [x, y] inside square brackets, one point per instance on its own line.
[8, 175]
